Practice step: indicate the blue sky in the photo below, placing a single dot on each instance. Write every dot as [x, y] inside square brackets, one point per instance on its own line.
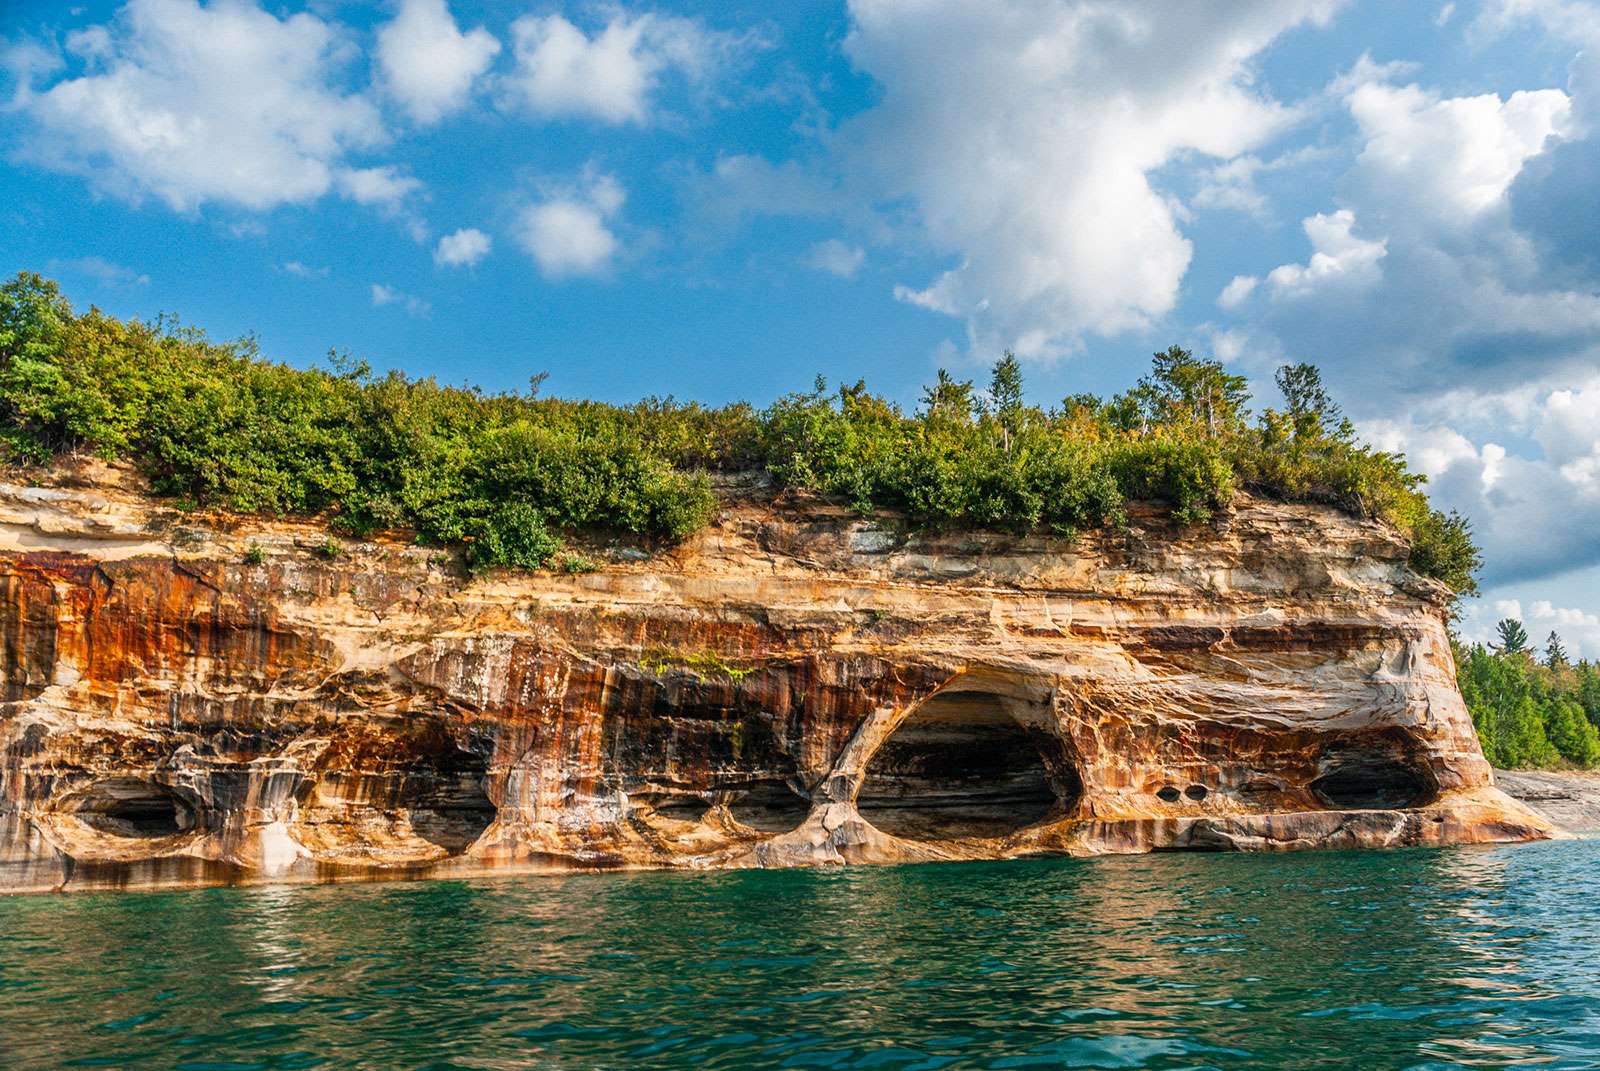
[722, 201]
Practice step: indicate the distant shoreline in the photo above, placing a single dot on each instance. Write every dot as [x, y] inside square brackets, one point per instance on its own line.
[1570, 798]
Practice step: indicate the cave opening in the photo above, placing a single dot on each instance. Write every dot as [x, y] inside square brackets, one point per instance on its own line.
[768, 806]
[1371, 781]
[963, 766]
[134, 808]
[446, 797]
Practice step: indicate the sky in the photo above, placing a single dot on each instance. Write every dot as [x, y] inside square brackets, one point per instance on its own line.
[723, 201]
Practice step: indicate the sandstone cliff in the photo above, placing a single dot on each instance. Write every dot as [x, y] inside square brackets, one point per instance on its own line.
[192, 698]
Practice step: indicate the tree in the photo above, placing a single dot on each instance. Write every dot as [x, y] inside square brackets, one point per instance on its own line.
[1184, 389]
[1005, 396]
[948, 399]
[1555, 652]
[1312, 410]
[1572, 733]
[1442, 547]
[1513, 637]
[1523, 739]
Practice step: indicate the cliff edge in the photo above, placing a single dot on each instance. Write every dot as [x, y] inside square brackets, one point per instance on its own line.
[193, 698]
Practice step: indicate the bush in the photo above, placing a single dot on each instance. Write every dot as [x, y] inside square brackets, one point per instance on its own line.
[504, 475]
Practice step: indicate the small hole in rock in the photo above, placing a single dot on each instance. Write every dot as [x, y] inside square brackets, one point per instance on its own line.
[128, 807]
[1170, 794]
[1197, 792]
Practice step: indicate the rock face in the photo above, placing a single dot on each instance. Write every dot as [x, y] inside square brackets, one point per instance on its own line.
[196, 699]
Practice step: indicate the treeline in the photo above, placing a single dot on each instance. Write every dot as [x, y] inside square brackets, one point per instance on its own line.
[503, 475]
[1531, 710]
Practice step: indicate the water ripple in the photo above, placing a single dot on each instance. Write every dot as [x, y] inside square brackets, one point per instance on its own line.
[1411, 959]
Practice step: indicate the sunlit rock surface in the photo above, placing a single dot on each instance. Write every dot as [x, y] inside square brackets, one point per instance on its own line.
[795, 685]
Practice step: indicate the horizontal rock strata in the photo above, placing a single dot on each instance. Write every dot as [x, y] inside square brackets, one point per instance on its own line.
[193, 698]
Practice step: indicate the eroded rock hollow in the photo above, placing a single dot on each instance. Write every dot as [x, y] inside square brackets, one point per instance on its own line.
[192, 699]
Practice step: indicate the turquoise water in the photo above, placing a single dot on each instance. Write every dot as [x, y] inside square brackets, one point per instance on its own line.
[1407, 959]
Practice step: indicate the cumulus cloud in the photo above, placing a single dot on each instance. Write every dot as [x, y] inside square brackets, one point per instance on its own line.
[613, 74]
[1024, 137]
[427, 63]
[386, 187]
[1426, 207]
[1451, 158]
[383, 294]
[191, 104]
[305, 271]
[1239, 288]
[1338, 258]
[836, 257]
[567, 232]
[1535, 505]
[463, 248]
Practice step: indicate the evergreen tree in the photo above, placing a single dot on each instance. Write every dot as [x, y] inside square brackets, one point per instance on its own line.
[1312, 410]
[948, 399]
[1005, 396]
[1573, 734]
[1523, 741]
[1513, 637]
[1555, 652]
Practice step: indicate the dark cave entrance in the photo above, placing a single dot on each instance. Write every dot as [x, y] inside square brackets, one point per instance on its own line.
[446, 796]
[410, 771]
[769, 806]
[963, 766]
[130, 807]
[1356, 781]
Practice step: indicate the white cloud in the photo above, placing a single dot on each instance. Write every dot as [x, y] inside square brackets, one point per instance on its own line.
[567, 232]
[1579, 629]
[427, 63]
[612, 75]
[836, 257]
[1534, 507]
[1232, 185]
[383, 294]
[305, 271]
[103, 270]
[191, 104]
[1430, 205]
[1338, 258]
[1239, 288]
[464, 247]
[382, 186]
[1451, 157]
[1023, 137]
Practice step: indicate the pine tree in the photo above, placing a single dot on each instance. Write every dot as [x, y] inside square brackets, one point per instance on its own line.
[1523, 741]
[1311, 408]
[1005, 396]
[948, 399]
[1513, 637]
[1555, 653]
[1573, 734]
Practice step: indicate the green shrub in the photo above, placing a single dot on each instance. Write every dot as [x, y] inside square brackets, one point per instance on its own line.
[502, 475]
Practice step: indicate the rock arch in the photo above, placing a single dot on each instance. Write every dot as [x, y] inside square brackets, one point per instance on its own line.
[979, 758]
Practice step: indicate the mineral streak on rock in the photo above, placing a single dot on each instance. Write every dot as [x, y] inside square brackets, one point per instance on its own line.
[795, 685]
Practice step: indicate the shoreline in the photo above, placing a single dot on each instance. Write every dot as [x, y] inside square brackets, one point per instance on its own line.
[1570, 798]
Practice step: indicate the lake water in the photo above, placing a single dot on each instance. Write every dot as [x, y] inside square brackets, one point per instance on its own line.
[1406, 959]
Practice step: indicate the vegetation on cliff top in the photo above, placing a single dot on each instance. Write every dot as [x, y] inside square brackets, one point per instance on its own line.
[1531, 710]
[500, 474]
